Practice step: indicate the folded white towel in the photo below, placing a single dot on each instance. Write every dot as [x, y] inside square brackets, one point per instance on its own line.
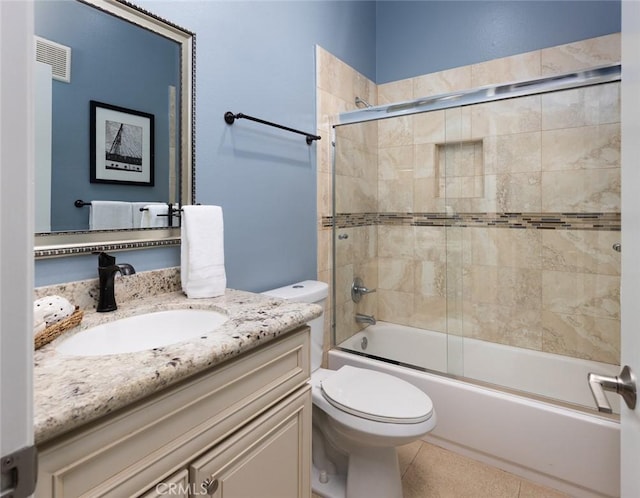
[108, 215]
[202, 252]
[151, 216]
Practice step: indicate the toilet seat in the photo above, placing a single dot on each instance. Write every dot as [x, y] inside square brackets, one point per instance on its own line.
[376, 396]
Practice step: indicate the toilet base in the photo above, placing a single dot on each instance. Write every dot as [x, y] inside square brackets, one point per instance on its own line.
[373, 472]
[335, 487]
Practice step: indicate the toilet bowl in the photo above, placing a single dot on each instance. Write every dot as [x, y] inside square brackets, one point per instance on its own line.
[360, 416]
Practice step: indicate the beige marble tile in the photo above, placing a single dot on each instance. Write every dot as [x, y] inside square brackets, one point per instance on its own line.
[514, 326]
[395, 241]
[344, 275]
[585, 147]
[324, 199]
[438, 83]
[395, 306]
[329, 107]
[356, 160]
[505, 247]
[436, 472]
[583, 54]
[582, 251]
[506, 69]
[581, 336]
[430, 278]
[325, 243]
[503, 285]
[396, 91]
[581, 294]
[426, 196]
[360, 133]
[461, 159]
[393, 161]
[334, 76]
[356, 195]
[396, 274]
[396, 195]
[518, 192]
[431, 243]
[395, 131]
[346, 325]
[512, 153]
[431, 313]
[581, 107]
[596, 190]
[458, 124]
[358, 247]
[429, 127]
[425, 161]
[504, 117]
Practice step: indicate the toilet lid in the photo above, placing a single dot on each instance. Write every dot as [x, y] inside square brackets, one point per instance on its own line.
[376, 396]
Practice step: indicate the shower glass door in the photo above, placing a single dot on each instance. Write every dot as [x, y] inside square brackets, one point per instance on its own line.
[490, 233]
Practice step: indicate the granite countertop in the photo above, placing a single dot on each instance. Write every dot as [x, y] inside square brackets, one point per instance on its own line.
[73, 390]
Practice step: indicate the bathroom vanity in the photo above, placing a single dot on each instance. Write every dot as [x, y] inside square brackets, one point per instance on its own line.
[227, 414]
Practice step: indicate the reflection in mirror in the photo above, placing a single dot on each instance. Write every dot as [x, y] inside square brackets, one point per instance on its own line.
[119, 153]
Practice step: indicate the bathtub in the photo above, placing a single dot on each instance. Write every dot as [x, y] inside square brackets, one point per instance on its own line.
[555, 444]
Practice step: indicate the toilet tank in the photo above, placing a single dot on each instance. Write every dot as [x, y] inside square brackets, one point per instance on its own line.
[308, 291]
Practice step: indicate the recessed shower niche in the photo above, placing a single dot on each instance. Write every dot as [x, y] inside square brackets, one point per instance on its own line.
[460, 169]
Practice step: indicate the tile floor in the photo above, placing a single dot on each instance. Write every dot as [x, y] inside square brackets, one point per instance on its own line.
[433, 472]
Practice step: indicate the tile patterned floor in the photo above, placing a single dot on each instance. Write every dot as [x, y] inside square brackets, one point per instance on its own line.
[429, 471]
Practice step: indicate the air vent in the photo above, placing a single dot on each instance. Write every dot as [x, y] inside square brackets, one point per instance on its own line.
[57, 56]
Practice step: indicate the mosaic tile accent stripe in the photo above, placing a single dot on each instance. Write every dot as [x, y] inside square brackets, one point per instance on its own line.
[538, 221]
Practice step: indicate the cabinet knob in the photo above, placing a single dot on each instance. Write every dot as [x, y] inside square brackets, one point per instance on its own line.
[210, 485]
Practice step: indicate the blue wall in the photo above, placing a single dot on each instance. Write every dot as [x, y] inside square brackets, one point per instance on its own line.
[258, 58]
[132, 70]
[420, 37]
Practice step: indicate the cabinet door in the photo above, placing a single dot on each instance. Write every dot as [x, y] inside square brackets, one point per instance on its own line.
[269, 458]
[176, 486]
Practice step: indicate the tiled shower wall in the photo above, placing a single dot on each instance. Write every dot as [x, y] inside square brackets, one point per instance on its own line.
[495, 221]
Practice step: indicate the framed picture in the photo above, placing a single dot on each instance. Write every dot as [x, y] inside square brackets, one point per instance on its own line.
[121, 145]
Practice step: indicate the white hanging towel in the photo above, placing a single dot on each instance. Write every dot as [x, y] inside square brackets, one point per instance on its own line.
[155, 215]
[108, 215]
[138, 216]
[202, 252]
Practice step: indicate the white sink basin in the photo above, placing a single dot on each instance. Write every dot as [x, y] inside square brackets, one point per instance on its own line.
[142, 332]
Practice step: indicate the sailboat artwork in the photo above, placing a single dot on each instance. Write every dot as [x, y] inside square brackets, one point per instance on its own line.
[122, 145]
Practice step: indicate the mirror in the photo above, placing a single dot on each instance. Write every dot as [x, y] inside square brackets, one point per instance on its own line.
[131, 76]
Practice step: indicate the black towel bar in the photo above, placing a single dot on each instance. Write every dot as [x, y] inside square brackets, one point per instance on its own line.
[230, 117]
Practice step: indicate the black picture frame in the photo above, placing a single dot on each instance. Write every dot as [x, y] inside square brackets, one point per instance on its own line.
[121, 145]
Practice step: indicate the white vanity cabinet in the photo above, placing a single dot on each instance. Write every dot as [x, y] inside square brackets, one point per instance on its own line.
[239, 430]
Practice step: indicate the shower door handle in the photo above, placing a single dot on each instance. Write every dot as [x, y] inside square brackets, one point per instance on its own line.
[623, 384]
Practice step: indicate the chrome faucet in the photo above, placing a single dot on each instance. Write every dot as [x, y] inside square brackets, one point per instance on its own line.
[362, 318]
[107, 269]
[358, 290]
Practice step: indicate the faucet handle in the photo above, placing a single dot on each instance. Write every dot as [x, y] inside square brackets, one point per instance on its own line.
[358, 290]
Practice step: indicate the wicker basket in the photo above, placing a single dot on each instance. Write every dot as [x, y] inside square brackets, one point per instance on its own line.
[50, 333]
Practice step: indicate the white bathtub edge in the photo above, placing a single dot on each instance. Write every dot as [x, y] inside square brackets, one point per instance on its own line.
[561, 448]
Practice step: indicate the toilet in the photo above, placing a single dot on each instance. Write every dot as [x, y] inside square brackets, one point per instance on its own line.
[359, 416]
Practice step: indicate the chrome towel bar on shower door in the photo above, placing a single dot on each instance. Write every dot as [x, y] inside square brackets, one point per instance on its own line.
[230, 117]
